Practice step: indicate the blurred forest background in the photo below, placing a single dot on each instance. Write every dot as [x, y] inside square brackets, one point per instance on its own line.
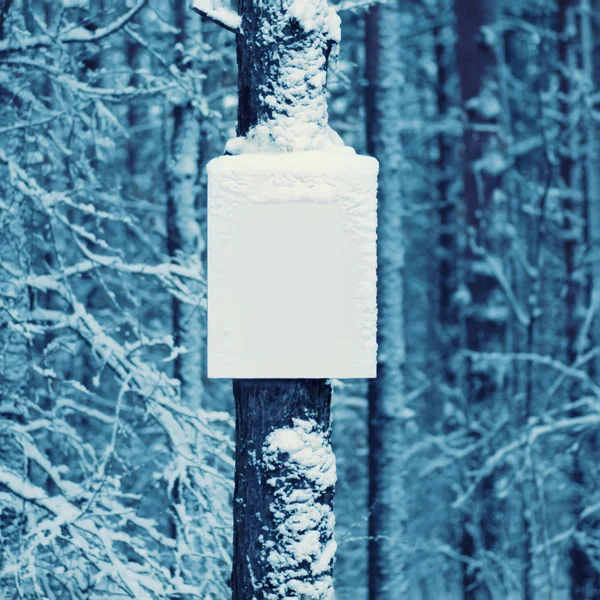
[116, 454]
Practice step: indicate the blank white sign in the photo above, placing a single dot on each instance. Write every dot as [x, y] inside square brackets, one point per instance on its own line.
[292, 266]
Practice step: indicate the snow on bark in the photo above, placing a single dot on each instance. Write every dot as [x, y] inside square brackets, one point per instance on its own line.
[301, 551]
[276, 417]
[285, 84]
[282, 70]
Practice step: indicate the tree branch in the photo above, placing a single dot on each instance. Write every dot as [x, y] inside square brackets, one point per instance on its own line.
[83, 35]
[220, 15]
[75, 35]
[355, 5]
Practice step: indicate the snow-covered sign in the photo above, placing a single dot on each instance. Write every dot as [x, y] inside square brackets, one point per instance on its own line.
[292, 265]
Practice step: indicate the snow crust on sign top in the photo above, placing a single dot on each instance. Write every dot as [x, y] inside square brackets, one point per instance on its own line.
[301, 553]
[292, 266]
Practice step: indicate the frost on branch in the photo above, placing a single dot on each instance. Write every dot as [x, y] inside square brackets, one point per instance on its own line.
[301, 550]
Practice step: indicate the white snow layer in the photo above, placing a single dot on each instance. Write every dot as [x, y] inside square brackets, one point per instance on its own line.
[301, 554]
[315, 14]
[292, 266]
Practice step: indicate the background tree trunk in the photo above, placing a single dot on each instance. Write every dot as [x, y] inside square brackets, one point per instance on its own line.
[185, 241]
[15, 360]
[14, 369]
[584, 577]
[448, 231]
[484, 311]
[387, 492]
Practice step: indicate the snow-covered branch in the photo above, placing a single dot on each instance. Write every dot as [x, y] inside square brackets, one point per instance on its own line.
[354, 5]
[224, 17]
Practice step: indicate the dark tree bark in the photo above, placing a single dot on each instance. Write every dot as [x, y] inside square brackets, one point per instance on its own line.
[387, 493]
[263, 406]
[4, 8]
[585, 578]
[184, 238]
[484, 314]
[271, 38]
[448, 257]
[447, 238]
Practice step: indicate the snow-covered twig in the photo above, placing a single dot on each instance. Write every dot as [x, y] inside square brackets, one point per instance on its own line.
[495, 266]
[356, 4]
[527, 439]
[224, 17]
[562, 368]
[75, 35]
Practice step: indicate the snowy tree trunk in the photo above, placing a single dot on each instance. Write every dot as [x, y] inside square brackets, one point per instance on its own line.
[285, 471]
[387, 495]
[571, 183]
[448, 255]
[584, 577]
[139, 61]
[15, 360]
[589, 52]
[185, 241]
[14, 368]
[520, 518]
[484, 312]
[592, 150]
[283, 519]
[447, 240]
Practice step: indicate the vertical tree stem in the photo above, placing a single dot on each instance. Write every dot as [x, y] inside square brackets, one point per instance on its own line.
[265, 406]
[387, 496]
